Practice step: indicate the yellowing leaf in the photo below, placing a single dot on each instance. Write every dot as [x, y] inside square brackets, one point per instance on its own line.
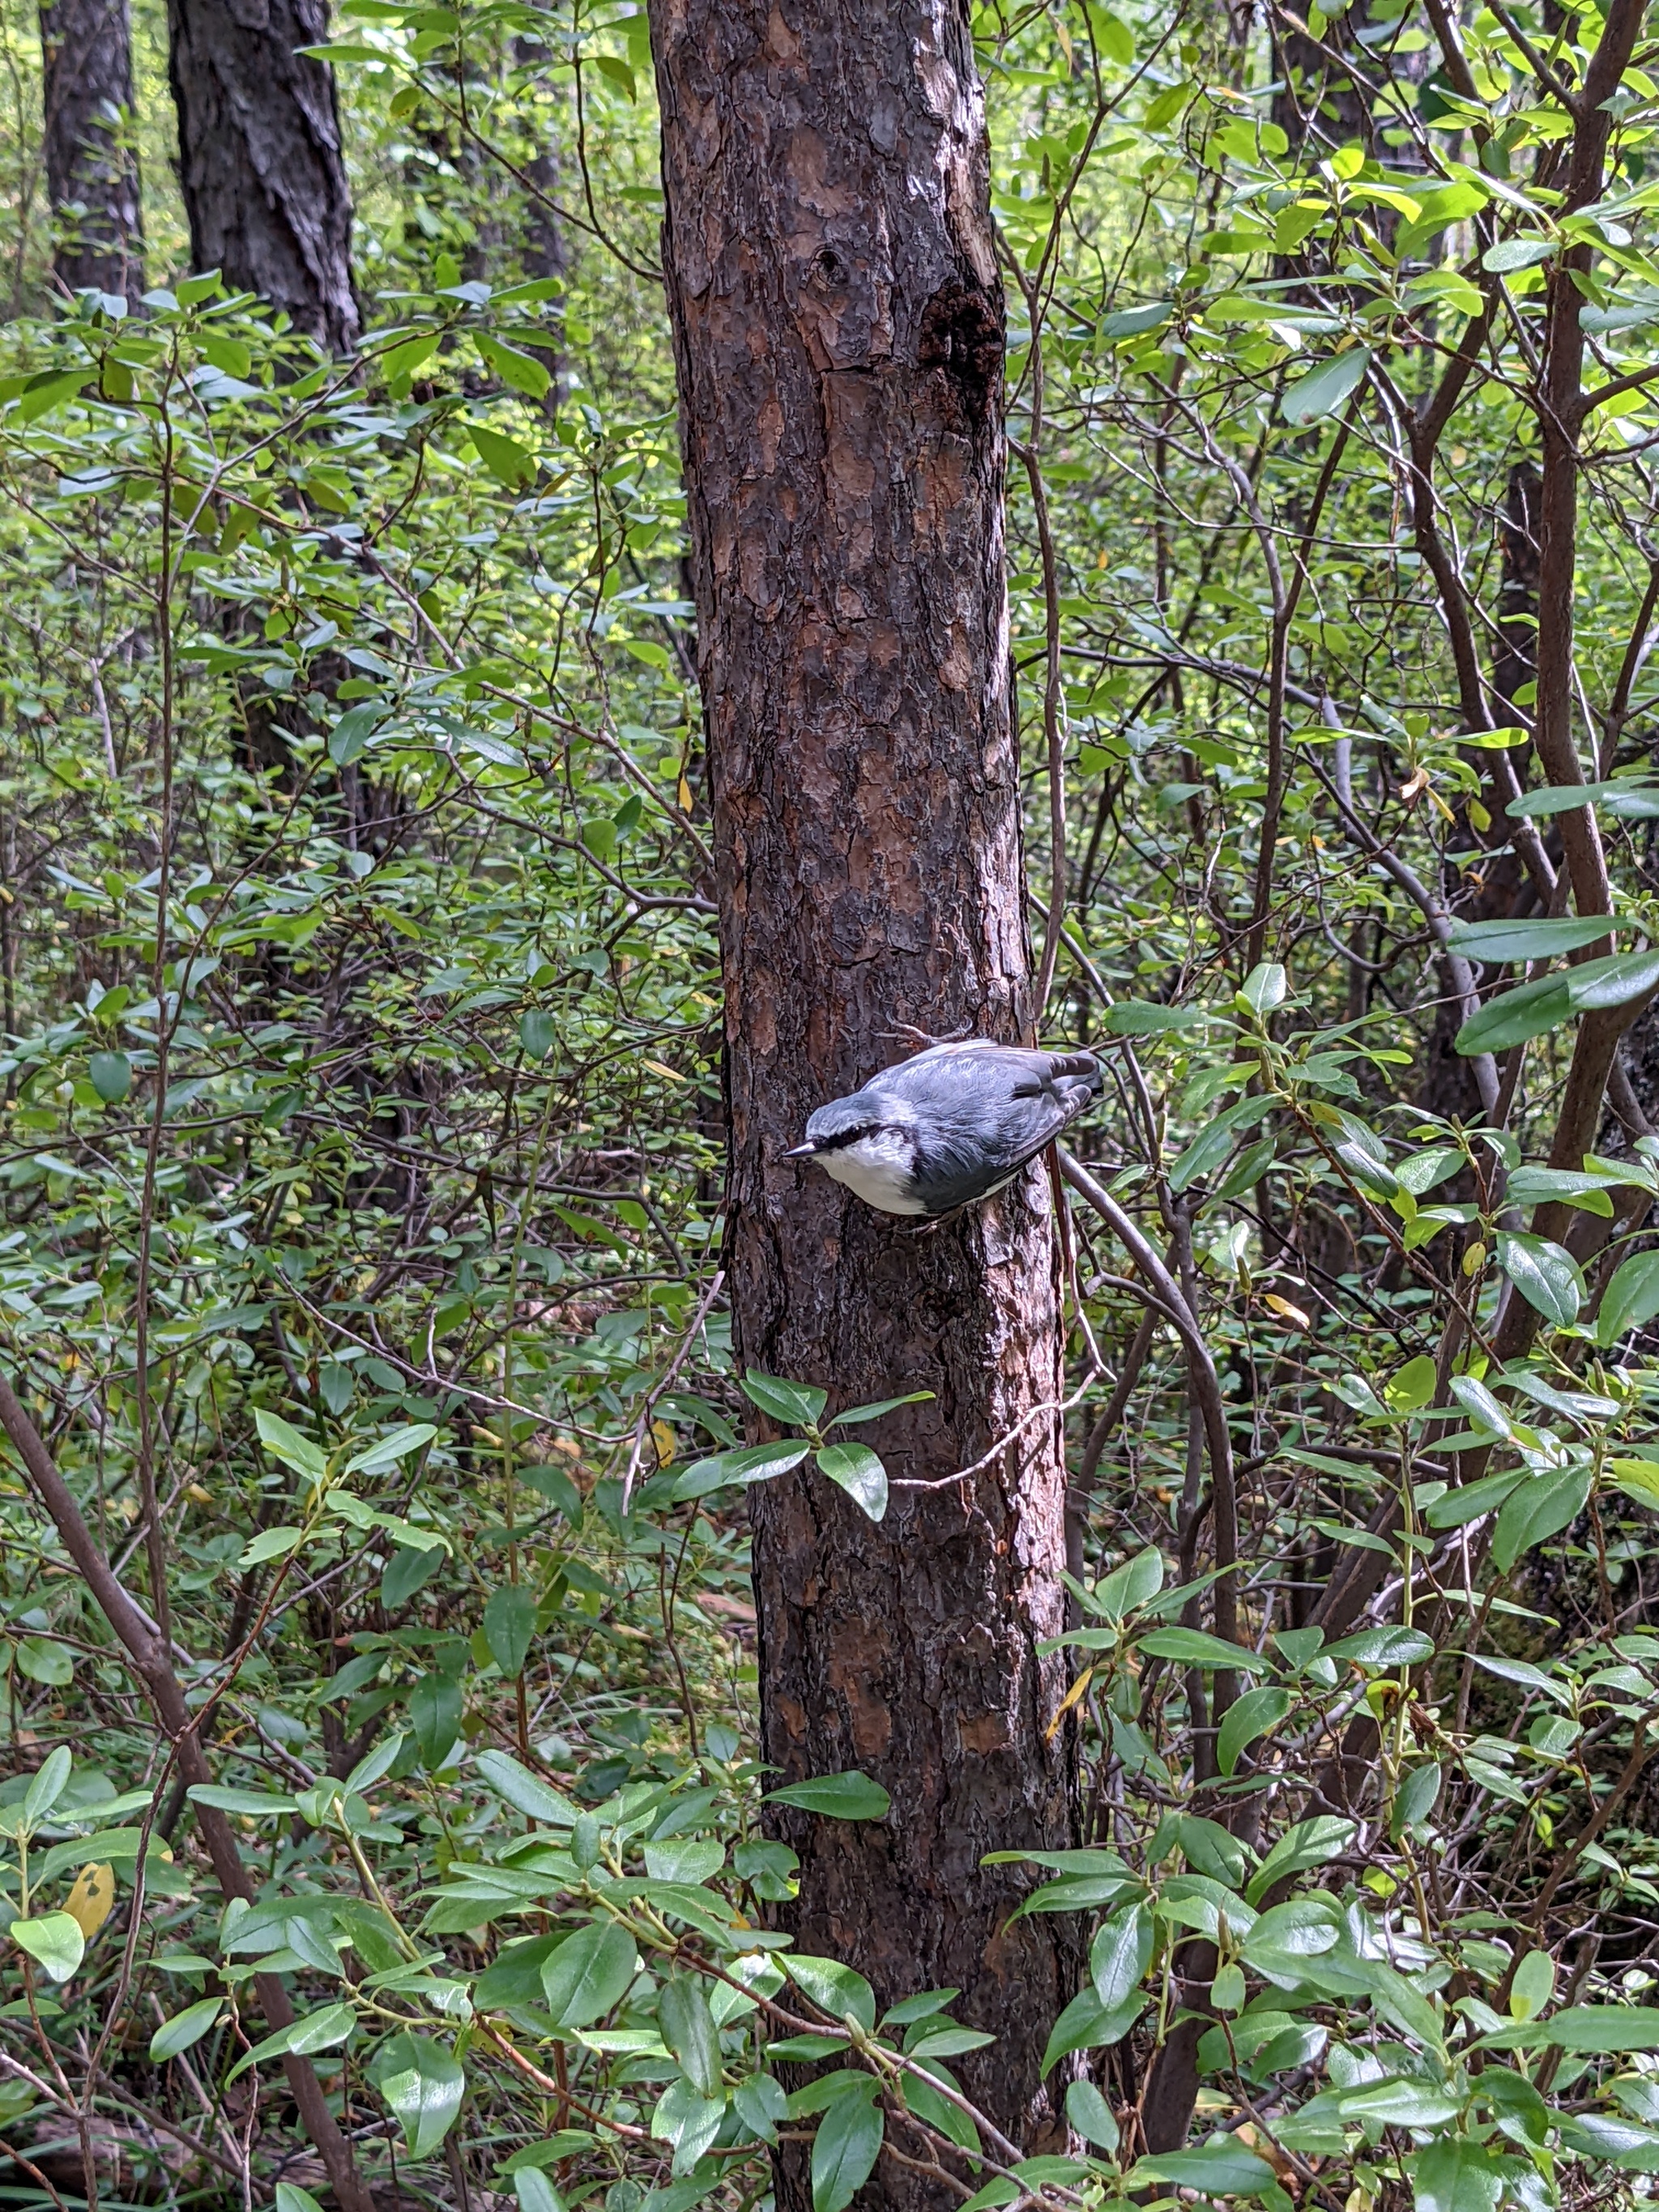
[1066, 1704]
[89, 1902]
[666, 1442]
[1284, 1307]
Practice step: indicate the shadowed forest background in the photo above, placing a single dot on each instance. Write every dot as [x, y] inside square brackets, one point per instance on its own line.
[549, 1656]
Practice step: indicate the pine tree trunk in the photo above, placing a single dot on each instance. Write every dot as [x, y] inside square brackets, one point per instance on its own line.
[92, 171]
[838, 329]
[260, 158]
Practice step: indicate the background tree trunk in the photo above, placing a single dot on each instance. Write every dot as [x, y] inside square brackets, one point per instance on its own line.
[92, 171]
[259, 159]
[838, 329]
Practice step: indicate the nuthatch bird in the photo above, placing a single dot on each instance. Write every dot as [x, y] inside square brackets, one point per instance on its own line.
[949, 1127]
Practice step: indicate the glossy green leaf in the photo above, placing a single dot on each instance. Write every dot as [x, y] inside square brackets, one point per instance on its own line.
[423, 2084]
[800, 1404]
[845, 2150]
[54, 1940]
[1546, 1275]
[1253, 1715]
[834, 1988]
[1120, 1955]
[589, 1974]
[856, 1470]
[509, 1626]
[1526, 940]
[185, 2029]
[850, 1797]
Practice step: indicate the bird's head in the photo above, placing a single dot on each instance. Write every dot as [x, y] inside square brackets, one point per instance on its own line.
[848, 1122]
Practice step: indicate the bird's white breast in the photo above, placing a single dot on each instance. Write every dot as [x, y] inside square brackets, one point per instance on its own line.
[877, 1169]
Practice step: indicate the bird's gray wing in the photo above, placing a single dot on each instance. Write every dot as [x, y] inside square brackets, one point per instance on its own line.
[982, 1117]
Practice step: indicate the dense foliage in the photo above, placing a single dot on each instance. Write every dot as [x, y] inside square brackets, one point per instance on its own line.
[362, 1154]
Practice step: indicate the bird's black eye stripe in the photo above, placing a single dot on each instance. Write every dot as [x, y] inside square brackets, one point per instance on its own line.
[842, 1137]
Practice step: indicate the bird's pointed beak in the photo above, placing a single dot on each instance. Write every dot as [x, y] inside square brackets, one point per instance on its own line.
[801, 1151]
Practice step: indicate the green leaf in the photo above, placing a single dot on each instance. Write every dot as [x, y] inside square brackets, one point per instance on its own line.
[762, 2104]
[834, 1988]
[1263, 989]
[387, 1451]
[312, 2032]
[1533, 1985]
[1540, 1505]
[507, 460]
[882, 1405]
[1544, 1275]
[1526, 940]
[1145, 1017]
[535, 2190]
[349, 739]
[1195, 1647]
[1456, 2175]
[1249, 1716]
[1383, 1647]
[751, 1463]
[849, 1796]
[1135, 322]
[1305, 1844]
[1413, 1386]
[856, 1470]
[1112, 35]
[515, 1976]
[589, 1974]
[257, 1803]
[1512, 253]
[1129, 1587]
[47, 1786]
[845, 2150]
[184, 2028]
[1604, 2030]
[1625, 796]
[287, 1445]
[515, 368]
[1120, 1955]
[537, 1032]
[1639, 1480]
[1223, 2168]
[1630, 1299]
[55, 1939]
[434, 1715]
[45, 1660]
[1088, 2025]
[1613, 982]
[1208, 1149]
[525, 1791]
[1402, 2103]
[110, 1073]
[509, 1627]
[689, 2030]
[801, 1404]
[1092, 2116]
[423, 2084]
[49, 390]
[1324, 389]
[1526, 1011]
[271, 1544]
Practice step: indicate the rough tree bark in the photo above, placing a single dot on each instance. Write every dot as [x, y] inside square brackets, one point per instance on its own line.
[838, 331]
[92, 171]
[259, 157]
